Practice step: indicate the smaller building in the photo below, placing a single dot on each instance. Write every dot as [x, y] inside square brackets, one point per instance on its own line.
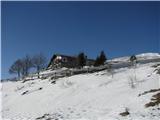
[59, 60]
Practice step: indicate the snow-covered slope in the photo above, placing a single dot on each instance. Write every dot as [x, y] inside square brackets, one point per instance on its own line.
[143, 56]
[148, 55]
[96, 96]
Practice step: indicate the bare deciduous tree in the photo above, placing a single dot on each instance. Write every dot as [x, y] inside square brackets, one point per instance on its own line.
[16, 68]
[39, 62]
[133, 60]
[110, 69]
[27, 64]
[132, 81]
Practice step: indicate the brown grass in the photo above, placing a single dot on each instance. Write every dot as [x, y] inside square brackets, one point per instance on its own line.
[125, 113]
[155, 100]
[156, 65]
[150, 91]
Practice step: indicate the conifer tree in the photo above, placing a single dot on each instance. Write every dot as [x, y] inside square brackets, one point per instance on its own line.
[82, 59]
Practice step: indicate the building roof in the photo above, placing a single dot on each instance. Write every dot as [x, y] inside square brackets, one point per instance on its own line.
[67, 56]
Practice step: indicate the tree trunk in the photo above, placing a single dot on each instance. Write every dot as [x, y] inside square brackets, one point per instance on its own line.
[38, 68]
[18, 74]
[38, 74]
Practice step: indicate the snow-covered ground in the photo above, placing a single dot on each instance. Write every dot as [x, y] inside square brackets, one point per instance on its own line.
[93, 96]
[142, 56]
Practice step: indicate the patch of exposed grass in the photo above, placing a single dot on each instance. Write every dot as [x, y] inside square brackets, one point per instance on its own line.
[125, 113]
[156, 65]
[155, 100]
[150, 91]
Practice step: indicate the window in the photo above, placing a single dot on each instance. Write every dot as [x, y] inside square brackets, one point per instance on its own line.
[64, 59]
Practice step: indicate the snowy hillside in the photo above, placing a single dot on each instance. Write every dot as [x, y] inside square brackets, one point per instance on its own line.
[142, 56]
[89, 96]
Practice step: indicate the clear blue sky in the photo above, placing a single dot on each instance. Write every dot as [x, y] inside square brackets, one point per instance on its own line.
[118, 28]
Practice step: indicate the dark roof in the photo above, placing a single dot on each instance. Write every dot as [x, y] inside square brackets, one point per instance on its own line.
[67, 56]
[72, 57]
[55, 55]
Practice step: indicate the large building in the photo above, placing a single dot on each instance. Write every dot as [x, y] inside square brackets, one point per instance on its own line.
[59, 60]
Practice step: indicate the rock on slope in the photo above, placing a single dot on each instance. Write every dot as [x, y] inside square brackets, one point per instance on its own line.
[96, 96]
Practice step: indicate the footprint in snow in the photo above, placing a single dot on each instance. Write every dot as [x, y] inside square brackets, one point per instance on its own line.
[71, 111]
[84, 111]
[78, 114]
[28, 92]
[69, 108]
